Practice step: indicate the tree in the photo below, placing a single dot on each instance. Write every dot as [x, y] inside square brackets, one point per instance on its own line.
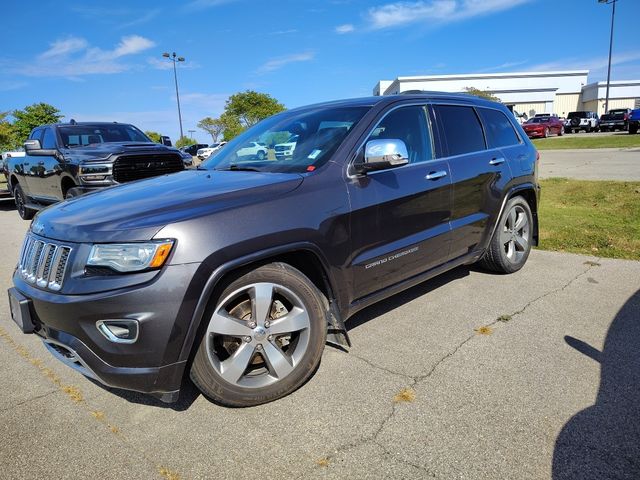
[7, 133]
[250, 107]
[214, 126]
[481, 93]
[154, 136]
[184, 141]
[33, 116]
[231, 126]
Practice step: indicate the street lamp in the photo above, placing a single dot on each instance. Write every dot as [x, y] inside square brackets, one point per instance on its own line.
[175, 59]
[613, 15]
[191, 132]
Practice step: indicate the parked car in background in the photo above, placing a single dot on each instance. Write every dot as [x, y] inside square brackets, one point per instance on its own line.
[542, 115]
[634, 121]
[206, 152]
[193, 149]
[252, 150]
[286, 149]
[238, 274]
[584, 120]
[543, 126]
[616, 119]
[5, 192]
[65, 160]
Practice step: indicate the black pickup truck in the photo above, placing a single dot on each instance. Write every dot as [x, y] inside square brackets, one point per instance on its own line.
[617, 119]
[69, 159]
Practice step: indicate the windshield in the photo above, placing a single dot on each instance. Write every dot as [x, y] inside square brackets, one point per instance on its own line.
[313, 136]
[82, 135]
[577, 115]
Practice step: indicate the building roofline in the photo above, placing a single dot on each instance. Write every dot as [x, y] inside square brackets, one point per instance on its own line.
[470, 76]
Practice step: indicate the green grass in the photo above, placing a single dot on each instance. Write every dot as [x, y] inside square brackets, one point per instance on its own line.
[585, 140]
[595, 218]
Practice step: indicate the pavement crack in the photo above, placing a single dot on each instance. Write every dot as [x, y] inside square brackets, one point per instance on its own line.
[380, 367]
[28, 400]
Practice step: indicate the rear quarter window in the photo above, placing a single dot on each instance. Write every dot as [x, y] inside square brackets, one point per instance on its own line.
[499, 130]
[462, 129]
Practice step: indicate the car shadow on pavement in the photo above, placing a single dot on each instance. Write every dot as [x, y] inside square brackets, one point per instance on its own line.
[188, 394]
[603, 440]
[399, 299]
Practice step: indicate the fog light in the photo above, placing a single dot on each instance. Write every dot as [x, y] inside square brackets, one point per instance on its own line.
[119, 331]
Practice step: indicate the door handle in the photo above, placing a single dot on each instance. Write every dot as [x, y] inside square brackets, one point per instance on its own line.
[436, 175]
[496, 161]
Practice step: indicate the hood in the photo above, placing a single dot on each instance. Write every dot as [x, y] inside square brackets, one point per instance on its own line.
[136, 211]
[103, 151]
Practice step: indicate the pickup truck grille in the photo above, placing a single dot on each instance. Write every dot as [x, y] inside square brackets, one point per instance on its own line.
[43, 263]
[136, 167]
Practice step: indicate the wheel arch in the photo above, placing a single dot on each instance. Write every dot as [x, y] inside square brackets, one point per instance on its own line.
[66, 182]
[528, 192]
[305, 257]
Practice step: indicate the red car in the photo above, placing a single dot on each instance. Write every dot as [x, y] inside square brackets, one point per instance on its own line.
[543, 126]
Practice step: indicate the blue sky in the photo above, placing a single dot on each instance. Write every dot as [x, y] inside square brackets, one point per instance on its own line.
[102, 60]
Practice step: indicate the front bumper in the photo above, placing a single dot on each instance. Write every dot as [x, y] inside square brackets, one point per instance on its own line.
[534, 133]
[152, 364]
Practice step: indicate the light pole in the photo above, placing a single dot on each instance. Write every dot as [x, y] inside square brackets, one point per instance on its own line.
[613, 16]
[175, 59]
[191, 132]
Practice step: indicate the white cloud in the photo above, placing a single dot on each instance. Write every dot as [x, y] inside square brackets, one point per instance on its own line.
[593, 64]
[64, 47]
[346, 28]
[279, 62]
[74, 57]
[132, 44]
[435, 11]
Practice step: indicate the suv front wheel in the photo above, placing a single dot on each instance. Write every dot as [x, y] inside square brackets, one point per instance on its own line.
[511, 243]
[264, 338]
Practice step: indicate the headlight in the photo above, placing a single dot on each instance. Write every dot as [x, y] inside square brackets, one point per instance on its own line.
[130, 257]
[95, 172]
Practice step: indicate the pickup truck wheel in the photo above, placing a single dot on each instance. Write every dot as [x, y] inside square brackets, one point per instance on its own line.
[633, 129]
[264, 338]
[25, 212]
[511, 243]
[72, 193]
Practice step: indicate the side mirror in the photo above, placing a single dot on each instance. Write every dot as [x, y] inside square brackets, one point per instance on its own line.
[381, 154]
[165, 141]
[33, 148]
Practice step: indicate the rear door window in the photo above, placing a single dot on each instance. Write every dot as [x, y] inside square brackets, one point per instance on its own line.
[462, 129]
[500, 132]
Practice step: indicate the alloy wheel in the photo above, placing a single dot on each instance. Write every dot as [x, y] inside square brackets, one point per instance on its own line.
[515, 235]
[257, 335]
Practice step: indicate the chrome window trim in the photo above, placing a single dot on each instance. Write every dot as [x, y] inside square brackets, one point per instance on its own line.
[424, 104]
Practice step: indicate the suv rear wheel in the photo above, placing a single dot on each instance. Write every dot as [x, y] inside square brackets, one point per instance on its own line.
[511, 242]
[264, 338]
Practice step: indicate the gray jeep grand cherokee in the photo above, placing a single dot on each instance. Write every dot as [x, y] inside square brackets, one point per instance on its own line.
[240, 271]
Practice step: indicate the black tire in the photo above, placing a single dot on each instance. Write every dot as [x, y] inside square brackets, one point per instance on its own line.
[633, 129]
[72, 192]
[257, 381]
[588, 129]
[567, 130]
[604, 129]
[497, 258]
[20, 198]
[261, 155]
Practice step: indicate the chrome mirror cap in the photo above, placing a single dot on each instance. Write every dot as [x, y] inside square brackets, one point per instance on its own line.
[389, 152]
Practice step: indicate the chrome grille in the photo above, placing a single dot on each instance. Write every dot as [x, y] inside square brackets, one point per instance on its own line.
[43, 263]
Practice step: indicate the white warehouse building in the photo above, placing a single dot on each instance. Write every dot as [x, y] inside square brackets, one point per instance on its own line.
[557, 92]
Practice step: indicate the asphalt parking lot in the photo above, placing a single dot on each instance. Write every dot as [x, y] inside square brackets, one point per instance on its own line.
[595, 164]
[550, 388]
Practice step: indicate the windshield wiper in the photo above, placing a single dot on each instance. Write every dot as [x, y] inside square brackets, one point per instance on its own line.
[237, 168]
